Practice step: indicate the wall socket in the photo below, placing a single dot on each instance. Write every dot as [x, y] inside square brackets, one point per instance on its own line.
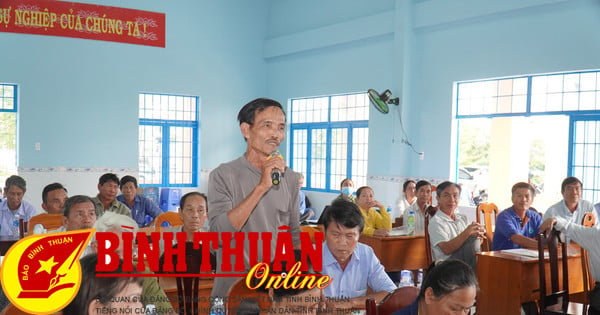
[38, 146]
[421, 156]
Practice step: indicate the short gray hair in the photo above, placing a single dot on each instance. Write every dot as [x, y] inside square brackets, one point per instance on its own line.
[111, 220]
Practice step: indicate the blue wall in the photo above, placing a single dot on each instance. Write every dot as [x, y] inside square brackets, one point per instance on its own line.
[79, 97]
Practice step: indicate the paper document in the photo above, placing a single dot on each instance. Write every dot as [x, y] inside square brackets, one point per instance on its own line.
[524, 252]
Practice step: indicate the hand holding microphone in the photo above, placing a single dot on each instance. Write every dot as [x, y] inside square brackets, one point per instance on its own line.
[275, 173]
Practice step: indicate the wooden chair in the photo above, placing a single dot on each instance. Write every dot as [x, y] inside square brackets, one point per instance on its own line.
[239, 292]
[49, 221]
[588, 282]
[394, 301]
[557, 301]
[486, 210]
[429, 213]
[172, 218]
[187, 287]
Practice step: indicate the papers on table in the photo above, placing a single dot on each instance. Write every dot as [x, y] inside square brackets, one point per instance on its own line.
[398, 231]
[524, 252]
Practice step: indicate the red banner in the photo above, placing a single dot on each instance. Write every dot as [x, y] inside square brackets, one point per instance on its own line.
[89, 21]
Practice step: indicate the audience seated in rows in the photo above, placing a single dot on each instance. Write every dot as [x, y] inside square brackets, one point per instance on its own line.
[377, 220]
[140, 206]
[108, 187]
[450, 233]
[352, 266]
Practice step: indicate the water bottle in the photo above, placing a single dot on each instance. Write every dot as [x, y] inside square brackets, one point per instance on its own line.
[218, 307]
[410, 222]
[15, 226]
[150, 309]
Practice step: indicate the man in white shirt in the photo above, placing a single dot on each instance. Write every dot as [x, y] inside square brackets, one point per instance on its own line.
[14, 205]
[450, 234]
[53, 199]
[572, 208]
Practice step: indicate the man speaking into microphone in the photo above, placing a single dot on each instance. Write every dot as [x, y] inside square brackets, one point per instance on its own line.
[256, 192]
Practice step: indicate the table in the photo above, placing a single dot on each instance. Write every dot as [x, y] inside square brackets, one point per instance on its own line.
[6, 241]
[508, 280]
[397, 253]
[169, 285]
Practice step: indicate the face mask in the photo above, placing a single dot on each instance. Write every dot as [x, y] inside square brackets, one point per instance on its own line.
[347, 190]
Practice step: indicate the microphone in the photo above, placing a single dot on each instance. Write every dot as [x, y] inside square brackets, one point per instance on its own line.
[275, 173]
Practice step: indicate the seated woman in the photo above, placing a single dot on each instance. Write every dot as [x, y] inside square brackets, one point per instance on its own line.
[347, 191]
[140, 206]
[408, 198]
[377, 220]
[449, 287]
[99, 295]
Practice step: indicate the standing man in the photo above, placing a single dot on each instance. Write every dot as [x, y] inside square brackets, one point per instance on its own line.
[242, 195]
[572, 208]
[108, 187]
[13, 205]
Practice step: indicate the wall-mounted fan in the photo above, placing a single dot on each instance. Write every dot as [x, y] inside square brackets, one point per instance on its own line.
[381, 101]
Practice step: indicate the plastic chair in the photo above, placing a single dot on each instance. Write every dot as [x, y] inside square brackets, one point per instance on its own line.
[49, 221]
[172, 218]
[588, 282]
[557, 301]
[394, 301]
[487, 209]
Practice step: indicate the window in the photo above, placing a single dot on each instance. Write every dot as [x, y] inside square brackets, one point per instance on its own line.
[329, 139]
[8, 130]
[168, 140]
[537, 128]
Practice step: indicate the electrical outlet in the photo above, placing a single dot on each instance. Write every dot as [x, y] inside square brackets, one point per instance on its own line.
[421, 156]
[38, 146]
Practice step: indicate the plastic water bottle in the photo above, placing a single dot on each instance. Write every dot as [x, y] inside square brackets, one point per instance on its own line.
[410, 222]
[150, 309]
[218, 307]
[15, 226]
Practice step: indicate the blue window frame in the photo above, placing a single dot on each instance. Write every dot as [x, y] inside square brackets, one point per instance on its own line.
[8, 129]
[168, 140]
[575, 94]
[329, 139]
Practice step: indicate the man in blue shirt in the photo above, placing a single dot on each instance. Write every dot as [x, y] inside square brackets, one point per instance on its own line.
[351, 265]
[140, 206]
[519, 225]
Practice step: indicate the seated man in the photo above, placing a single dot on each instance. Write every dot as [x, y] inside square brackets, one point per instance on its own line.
[193, 211]
[53, 199]
[14, 205]
[347, 190]
[572, 207]
[423, 189]
[306, 213]
[140, 206]
[352, 266]
[152, 293]
[108, 187]
[519, 225]
[450, 234]
[587, 238]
